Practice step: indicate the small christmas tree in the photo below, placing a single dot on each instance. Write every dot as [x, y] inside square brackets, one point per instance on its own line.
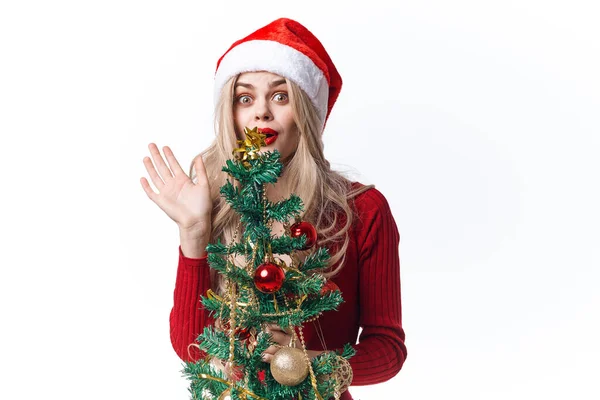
[265, 291]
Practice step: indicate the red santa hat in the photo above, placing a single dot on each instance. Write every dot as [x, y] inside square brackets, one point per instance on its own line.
[286, 48]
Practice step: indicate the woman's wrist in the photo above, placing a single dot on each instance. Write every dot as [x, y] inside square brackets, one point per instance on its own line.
[193, 242]
[195, 231]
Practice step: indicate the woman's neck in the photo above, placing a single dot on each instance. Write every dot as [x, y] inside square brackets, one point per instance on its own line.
[277, 192]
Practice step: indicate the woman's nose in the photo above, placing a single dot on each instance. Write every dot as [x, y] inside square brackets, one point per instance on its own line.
[263, 113]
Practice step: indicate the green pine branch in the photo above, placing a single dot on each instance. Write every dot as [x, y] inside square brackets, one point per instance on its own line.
[317, 305]
[248, 206]
[286, 244]
[198, 385]
[311, 284]
[257, 234]
[285, 210]
[348, 351]
[265, 169]
[317, 260]
[238, 275]
[216, 343]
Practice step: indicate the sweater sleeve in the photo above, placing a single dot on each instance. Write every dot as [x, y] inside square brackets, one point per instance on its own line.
[380, 351]
[188, 318]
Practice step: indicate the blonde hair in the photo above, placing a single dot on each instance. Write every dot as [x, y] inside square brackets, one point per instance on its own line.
[325, 193]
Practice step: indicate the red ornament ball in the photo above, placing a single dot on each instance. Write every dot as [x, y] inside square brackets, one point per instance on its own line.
[269, 277]
[262, 376]
[243, 333]
[329, 287]
[234, 372]
[304, 228]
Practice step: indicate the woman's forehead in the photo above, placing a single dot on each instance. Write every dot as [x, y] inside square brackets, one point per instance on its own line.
[260, 77]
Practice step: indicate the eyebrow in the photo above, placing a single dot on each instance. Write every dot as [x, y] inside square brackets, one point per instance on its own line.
[277, 83]
[271, 85]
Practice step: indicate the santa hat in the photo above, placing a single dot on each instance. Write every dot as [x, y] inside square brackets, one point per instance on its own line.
[286, 48]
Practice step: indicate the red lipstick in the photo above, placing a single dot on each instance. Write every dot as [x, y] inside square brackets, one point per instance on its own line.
[271, 135]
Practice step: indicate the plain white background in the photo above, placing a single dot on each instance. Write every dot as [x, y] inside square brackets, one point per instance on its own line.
[478, 120]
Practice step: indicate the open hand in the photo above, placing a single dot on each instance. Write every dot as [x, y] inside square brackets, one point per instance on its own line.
[186, 203]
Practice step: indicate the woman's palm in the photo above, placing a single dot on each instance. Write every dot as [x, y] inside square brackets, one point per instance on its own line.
[186, 203]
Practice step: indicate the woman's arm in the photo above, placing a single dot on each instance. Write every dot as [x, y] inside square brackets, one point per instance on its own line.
[381, 350]
[188, 204]
[188, 318]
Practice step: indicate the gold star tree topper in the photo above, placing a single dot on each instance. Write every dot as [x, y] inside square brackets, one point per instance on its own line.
[248, 148]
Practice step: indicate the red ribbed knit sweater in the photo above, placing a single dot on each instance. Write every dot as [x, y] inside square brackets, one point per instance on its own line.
[370, 285]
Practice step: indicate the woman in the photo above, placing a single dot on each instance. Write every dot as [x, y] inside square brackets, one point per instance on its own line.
[281, 80]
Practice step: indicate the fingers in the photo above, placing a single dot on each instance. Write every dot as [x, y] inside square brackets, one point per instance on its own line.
[277, 328]
[148, 189]
[268, 354]
[200, 169]
[278, 335]
[173, 163]
[163, 169]
[281, 337]
[156, 179]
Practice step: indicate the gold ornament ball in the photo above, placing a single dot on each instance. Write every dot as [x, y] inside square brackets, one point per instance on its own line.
[226, 395]
[289, 366]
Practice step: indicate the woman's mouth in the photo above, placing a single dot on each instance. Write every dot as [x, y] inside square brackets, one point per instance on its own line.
[271, 135]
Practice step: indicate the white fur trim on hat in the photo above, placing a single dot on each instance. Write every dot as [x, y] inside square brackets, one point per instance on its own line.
[270, 56]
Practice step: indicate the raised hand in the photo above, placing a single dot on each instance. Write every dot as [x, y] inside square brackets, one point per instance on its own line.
[187, 203]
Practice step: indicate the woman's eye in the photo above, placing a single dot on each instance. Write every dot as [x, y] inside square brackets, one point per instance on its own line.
[280, 97]
[245, 99]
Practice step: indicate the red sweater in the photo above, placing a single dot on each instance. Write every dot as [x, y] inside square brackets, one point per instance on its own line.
[370, 285]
